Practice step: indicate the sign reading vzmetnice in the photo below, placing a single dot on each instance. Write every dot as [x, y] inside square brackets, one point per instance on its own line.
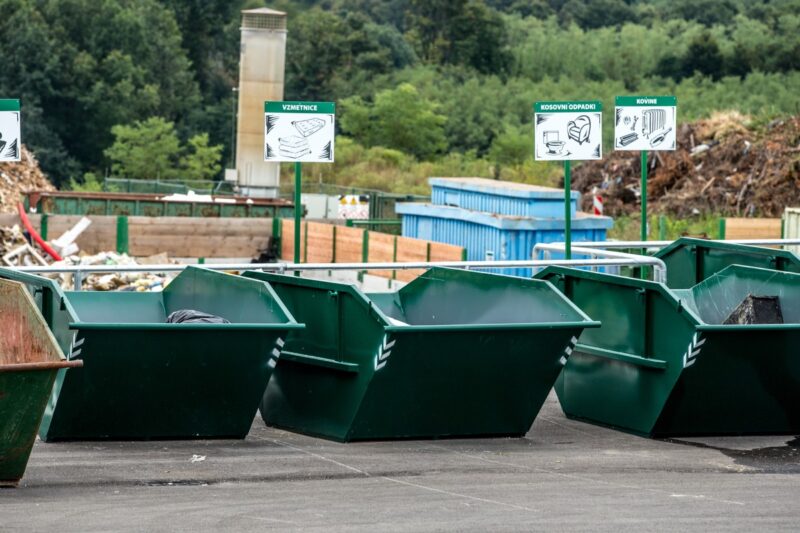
[568, 130]
[299, 132]
[10, 143]
[645, 123]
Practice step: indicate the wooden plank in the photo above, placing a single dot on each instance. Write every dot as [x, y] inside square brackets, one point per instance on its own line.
[752, 228]
[200, 226]
[409, 250]
[100, 236]
[320, 243]
[349, 244]
[446, 252]
[380, 250]
[194, 246]
[287, 240]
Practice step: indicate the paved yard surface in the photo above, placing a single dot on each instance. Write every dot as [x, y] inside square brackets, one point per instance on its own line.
[565, 475]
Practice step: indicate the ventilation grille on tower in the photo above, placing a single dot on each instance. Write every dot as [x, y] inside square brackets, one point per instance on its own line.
[274, 20]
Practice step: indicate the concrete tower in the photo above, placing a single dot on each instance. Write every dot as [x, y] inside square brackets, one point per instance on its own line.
[261, 72]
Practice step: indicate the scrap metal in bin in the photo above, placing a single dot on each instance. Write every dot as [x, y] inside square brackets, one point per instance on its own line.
[453, 353]
[690, 261]
[664, 364]
[29, 360]
[147, 379]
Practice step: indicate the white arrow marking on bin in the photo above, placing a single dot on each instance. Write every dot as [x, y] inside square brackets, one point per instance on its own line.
[75, 344]
[384, 352]
[692, 351]
[568, 351]
[276, 353]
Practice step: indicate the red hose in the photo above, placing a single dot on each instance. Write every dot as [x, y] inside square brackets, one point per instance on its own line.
[34, 234]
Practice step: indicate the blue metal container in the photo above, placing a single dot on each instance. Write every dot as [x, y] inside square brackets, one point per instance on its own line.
[501, 197]
[499, 237]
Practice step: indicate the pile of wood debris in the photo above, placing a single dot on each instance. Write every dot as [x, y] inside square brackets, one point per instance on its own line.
[18, 178]
[722, 165]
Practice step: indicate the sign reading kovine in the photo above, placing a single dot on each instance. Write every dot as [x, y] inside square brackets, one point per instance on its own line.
[645, 123]
[568, 130]
[10, 144]
[299, 132]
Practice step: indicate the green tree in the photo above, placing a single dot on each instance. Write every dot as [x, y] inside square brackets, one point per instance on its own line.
[202, 162]
[399, 119]
[145, 150]
[511, 147]
[460, 32]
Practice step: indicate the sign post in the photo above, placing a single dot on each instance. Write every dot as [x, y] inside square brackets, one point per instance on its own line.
[645, 123]
[299, 132]
[567, 131]
[10, 144]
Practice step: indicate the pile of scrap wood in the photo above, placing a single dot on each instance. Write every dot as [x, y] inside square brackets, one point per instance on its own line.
[18, 178]
[17, 249]
[723, 165]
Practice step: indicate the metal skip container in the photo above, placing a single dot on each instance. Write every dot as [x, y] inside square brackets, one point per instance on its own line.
[453, 353]
[147, 379]
[690, 261]
[665, 364]
[29, 360]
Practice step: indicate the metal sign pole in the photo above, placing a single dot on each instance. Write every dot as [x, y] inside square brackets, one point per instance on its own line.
[644, 194]
[298, 208]
[567, 211]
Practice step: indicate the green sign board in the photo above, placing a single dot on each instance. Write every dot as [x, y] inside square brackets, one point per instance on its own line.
[580, 106]
[646, 101]
[10, 143]
[300, 107]
[299, 132]
[645, 123]
[565, 131]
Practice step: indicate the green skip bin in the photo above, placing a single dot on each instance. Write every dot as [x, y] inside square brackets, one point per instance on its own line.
[29, 360]
[452, 354]
[690, 261]
[146, 379]
[664, 363]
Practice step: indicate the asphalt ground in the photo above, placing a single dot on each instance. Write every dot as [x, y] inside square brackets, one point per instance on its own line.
[565, 476]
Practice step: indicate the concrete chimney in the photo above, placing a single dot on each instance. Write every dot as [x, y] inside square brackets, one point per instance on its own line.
[261, 72]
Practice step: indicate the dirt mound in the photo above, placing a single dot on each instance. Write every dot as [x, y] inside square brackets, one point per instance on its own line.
[721, 166]
[19, 178]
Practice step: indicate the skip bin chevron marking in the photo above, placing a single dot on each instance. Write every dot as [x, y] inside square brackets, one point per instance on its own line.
[276, 353]
[75, 349]
[690, 357]
[568, 351]
[384, 351]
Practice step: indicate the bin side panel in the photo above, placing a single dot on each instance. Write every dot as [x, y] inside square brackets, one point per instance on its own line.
[23, 396]
[163, 384]
[715, 298]
[450, 296]
[745, 382]
[621, 374]
[308, 396]
[466, 383]
[236, 298]
[691, 261]
[118, 307]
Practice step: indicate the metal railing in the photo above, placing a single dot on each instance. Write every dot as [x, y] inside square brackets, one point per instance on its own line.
[664, 244]
[659, 267]
[79, 271]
